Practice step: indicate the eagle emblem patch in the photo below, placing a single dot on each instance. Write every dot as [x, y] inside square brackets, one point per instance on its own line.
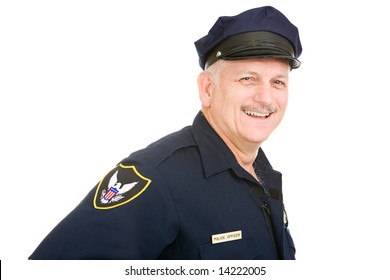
[120, 186]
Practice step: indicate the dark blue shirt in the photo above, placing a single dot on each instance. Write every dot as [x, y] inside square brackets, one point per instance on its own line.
[183, 197]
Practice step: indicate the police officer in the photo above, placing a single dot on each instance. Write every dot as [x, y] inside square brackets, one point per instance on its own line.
[208, 190]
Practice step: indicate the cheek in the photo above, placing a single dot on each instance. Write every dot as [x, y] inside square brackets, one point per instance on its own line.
[282, 101]
[222, 102]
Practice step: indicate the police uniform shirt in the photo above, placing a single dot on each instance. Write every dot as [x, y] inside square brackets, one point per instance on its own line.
[183, 197]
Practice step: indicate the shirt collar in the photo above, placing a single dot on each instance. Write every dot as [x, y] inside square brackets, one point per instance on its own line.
[215, 154]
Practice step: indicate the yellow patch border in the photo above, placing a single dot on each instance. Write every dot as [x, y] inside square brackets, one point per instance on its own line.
[126, 201]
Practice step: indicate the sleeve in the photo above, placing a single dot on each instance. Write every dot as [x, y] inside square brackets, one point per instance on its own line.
[129, 215]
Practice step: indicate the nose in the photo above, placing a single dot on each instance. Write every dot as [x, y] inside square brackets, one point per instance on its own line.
[263, 94]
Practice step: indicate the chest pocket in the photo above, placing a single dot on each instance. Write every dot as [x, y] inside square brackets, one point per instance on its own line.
[244, 249]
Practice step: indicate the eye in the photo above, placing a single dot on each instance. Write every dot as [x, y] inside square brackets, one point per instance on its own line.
[247, 80]
[280, 84]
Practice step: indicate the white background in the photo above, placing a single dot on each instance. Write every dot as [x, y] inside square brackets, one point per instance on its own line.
[85, 83]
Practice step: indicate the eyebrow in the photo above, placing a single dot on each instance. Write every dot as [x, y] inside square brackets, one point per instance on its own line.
[253, 73]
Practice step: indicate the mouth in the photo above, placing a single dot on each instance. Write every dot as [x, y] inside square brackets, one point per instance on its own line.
[257, 114]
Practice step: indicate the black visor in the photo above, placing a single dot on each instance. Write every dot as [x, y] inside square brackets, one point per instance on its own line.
[259, 44]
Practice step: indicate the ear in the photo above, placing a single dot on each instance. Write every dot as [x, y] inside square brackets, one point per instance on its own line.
[205, 86]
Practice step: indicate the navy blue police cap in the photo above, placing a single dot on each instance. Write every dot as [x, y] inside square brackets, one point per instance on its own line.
[257, 33]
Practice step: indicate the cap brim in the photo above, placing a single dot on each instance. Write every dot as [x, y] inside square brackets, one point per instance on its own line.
[261, 44]
[263, 53]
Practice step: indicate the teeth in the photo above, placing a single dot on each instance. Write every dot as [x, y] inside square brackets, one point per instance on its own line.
[257, 114]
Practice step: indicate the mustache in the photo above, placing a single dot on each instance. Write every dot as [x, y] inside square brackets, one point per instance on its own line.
[260, 108]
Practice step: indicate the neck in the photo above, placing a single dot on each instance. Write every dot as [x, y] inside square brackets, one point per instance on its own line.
[245, 158]
[245, 153]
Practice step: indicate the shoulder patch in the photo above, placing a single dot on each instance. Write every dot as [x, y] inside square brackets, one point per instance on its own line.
[120, 186]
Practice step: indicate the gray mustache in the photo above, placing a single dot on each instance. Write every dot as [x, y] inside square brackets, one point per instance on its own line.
[260, 108]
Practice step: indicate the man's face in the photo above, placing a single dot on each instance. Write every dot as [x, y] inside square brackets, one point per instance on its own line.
[248, 100]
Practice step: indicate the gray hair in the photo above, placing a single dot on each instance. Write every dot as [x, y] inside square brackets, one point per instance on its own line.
[214, 70]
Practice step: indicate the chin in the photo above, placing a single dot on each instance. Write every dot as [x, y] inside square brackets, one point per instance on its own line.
[257, 139]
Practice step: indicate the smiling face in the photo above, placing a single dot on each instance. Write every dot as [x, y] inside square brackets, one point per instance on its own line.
[244, 100]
